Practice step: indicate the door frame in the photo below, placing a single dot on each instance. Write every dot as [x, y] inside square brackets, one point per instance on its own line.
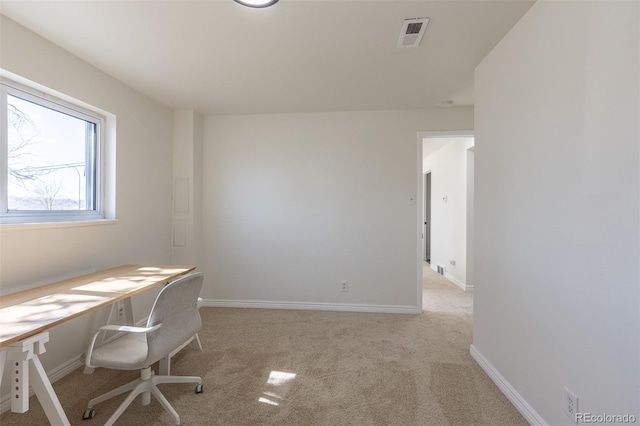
[426, 236]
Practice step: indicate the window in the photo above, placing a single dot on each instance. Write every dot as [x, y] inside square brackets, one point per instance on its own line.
[50, 158]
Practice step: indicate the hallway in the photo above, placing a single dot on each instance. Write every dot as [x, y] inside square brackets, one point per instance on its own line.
[441, 295]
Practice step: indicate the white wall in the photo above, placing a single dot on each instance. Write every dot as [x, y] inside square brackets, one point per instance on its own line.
[295, 203]
[448, 166]
[557, 193]
[142, 233]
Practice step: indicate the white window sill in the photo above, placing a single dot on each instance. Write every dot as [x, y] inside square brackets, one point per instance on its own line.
[53, 225]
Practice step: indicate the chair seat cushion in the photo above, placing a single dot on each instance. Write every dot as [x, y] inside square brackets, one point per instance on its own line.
[127, 352]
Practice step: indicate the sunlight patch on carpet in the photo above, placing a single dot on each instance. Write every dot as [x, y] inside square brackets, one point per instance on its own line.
[279, 378]
[276, 378]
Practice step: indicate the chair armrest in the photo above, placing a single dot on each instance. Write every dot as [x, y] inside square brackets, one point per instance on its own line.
[121, 328]
[128, 328]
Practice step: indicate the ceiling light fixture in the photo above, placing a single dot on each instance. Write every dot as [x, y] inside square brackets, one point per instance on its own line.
[257, 3]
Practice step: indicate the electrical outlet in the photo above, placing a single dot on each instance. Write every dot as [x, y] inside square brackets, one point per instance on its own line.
[570, 405]
[120, 310]
[344, 286]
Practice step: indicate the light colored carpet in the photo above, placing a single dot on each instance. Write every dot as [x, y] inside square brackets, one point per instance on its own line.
[283, 367]
[440, 295]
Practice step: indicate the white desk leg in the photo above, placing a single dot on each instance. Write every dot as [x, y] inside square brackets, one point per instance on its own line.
[23, 359]
[3, 359]
[45, 393]
[128, 311]
[19, 366]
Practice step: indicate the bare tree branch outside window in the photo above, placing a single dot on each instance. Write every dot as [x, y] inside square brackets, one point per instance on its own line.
[33, 173]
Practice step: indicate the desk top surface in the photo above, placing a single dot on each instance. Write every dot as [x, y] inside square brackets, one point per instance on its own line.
[32, 311]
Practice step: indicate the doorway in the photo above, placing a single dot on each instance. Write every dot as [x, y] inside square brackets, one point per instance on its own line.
[446, 226]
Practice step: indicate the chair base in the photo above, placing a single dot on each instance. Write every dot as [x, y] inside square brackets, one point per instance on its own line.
[146, 384]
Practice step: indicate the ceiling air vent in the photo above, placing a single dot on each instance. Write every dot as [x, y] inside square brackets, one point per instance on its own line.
[412, 32]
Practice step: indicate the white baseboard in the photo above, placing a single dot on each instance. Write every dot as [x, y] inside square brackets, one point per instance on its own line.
[54, 375]
[509, 391]
[454, 280]
[342, 307]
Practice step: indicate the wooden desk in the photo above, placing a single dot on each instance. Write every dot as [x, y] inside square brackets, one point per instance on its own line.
[26, 316]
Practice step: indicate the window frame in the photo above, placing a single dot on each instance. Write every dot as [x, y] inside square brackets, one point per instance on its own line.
[55, 103]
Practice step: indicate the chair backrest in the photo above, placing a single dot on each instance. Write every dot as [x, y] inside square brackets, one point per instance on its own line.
[176, 307]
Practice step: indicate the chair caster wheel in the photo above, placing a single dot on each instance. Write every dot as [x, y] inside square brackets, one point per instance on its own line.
[199, 388]
[89, 414]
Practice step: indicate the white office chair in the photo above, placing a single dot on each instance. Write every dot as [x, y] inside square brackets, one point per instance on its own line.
[174, 319]
[164, 366]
